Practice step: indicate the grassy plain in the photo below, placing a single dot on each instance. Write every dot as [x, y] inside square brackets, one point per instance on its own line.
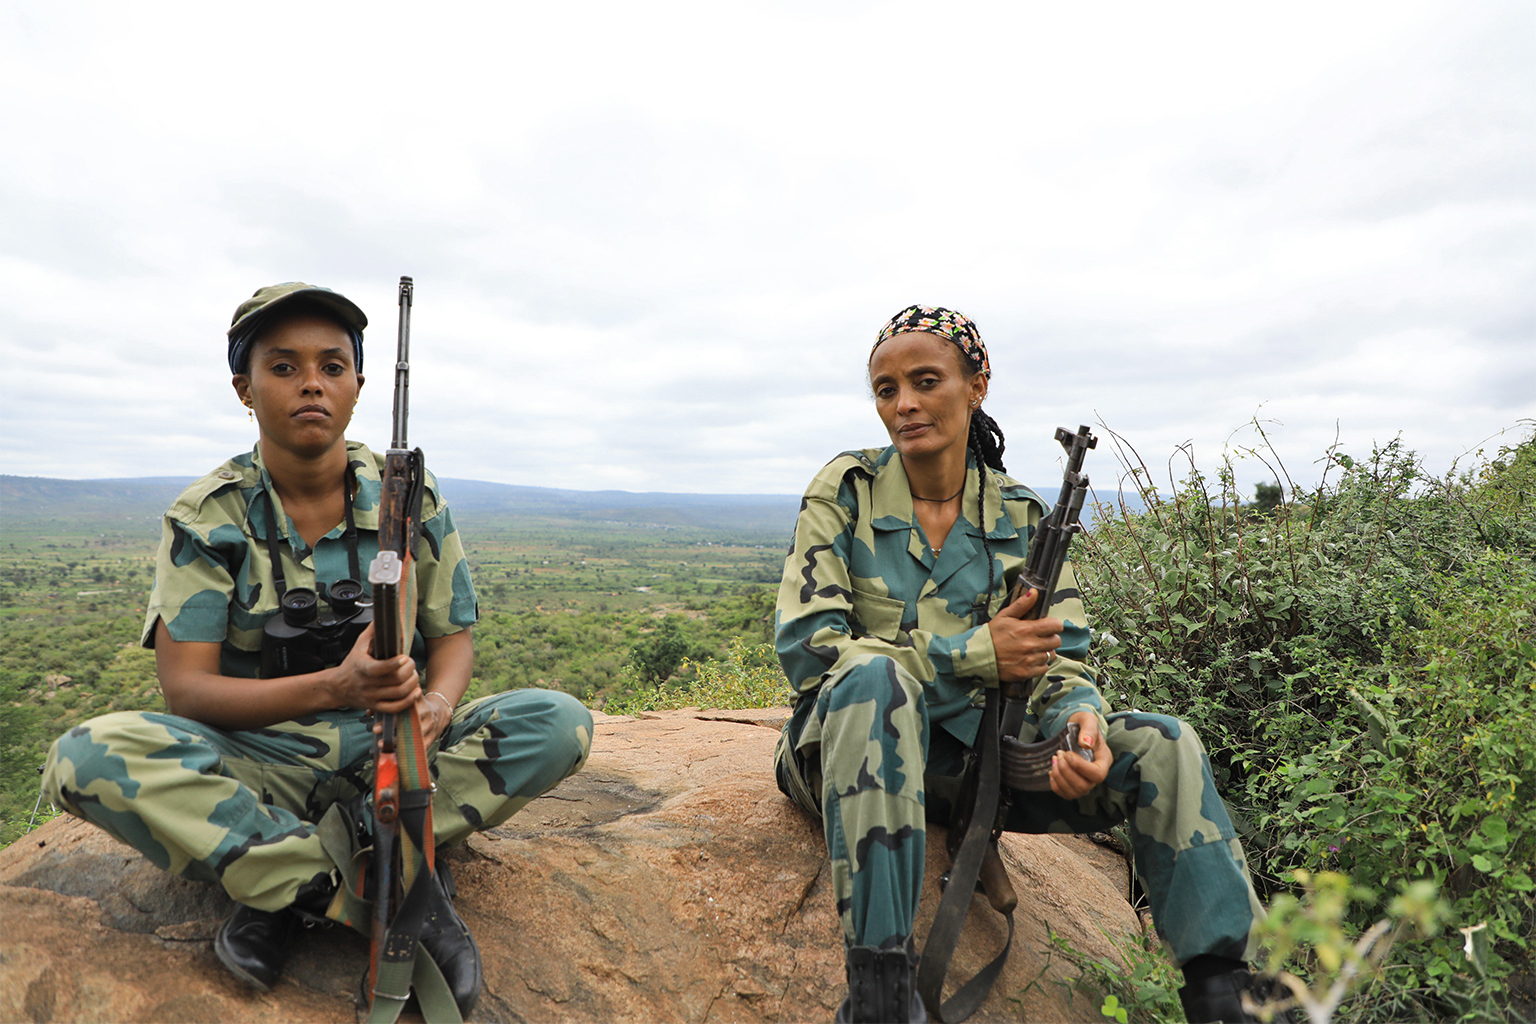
[564, 602]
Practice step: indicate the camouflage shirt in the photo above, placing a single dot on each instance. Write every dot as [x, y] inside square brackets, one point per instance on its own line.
[213, 578]
[861, 578]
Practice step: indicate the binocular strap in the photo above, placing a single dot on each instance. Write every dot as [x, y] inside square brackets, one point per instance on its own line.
[274, 552]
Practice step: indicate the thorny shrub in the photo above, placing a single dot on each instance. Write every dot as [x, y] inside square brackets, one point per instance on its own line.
[1360, 661]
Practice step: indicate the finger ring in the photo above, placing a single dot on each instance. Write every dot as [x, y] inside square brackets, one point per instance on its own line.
[1050, 656]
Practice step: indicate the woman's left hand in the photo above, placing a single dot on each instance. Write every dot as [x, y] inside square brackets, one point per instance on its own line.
[449, 660]
[434, 715]
[1072, 775]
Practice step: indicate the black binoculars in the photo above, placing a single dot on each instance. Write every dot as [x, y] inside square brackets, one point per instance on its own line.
[304, 638]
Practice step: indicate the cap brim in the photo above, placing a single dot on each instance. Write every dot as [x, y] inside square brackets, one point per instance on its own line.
[344, 308]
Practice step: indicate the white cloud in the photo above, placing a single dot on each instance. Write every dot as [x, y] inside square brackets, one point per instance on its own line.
[652, 242]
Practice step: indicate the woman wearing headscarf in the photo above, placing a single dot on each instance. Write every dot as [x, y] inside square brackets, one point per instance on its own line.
[232, 782]
[891, 621]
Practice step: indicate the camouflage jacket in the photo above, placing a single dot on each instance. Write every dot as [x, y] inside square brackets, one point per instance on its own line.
[861, 579]
[213, 578]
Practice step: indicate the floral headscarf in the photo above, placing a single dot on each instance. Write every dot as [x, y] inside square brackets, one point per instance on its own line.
[946, 323]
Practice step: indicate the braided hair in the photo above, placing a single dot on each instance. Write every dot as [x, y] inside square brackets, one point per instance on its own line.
[987, 440]
[986, 444]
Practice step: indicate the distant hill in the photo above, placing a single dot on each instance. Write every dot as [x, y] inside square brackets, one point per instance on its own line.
[133, 506]
[128, 506]
[750, 513]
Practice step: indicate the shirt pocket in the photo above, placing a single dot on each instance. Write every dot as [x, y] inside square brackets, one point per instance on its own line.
[878, 616]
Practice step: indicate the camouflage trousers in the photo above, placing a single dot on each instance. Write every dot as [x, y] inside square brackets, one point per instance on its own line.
[241, 807]
[863, 758]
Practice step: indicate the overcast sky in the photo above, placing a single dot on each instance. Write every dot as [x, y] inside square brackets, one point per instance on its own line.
[653, 241]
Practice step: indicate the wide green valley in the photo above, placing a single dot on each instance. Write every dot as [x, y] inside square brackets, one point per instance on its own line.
[605, 595]
[1359, 657]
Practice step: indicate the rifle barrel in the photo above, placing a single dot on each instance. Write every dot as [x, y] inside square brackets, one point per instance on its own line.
[403, 365]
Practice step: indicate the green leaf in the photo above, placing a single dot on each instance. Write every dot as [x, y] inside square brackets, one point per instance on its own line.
[1111, 1009]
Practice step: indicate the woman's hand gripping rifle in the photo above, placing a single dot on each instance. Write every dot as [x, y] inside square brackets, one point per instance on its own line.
[403, 849]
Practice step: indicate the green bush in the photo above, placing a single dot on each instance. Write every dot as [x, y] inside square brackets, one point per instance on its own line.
[747, 677]
[1361, 663]
[659, 653]
[1315, 933]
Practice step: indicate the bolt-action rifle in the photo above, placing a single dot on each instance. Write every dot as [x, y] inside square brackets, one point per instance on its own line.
[403, 850]
[1002, 765]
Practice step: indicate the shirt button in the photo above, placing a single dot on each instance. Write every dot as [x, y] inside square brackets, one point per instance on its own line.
[227, 474]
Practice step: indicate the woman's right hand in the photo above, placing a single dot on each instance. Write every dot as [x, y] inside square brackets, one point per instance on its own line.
[1023, 646]
[389, 686]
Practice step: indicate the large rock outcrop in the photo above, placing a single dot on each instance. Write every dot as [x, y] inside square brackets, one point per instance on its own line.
[668, 881]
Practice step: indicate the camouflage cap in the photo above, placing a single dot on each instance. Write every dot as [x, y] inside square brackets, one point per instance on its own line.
[256, 310]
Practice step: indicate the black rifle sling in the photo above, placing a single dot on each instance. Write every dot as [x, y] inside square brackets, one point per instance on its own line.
[402, 954]
[406, 926]
[958, 894]
[415, 496]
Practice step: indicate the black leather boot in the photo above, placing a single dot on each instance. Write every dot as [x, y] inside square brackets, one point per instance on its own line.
[880, 987]
[446, 938]
[253, 944]
[1219, 997]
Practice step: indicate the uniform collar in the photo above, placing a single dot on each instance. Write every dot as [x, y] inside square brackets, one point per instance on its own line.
[365, 503]
[891, 497]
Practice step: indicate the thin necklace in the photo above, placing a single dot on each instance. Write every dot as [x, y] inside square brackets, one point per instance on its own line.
[940, 501]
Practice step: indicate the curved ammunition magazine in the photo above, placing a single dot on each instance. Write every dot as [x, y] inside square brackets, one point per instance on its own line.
[1027, 766]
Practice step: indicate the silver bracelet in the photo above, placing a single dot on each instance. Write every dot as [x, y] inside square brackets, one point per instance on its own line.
[434, 693]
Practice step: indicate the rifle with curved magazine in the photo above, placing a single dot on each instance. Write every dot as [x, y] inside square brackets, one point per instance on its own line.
[1002, 765]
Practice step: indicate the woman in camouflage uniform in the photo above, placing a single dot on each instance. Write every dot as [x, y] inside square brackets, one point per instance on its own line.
[231, 783]
[888, 626]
